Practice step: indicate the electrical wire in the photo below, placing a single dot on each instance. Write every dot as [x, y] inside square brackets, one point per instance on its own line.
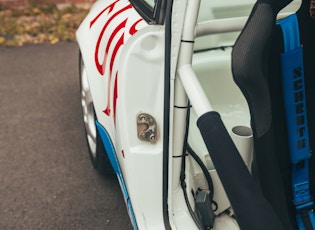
[187, 147]
[182, 173]
[205, 172]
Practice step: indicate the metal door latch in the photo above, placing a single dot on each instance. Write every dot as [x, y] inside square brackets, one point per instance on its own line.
[146, 127]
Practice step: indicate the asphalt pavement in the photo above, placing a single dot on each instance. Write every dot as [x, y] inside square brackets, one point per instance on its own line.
[46, 179]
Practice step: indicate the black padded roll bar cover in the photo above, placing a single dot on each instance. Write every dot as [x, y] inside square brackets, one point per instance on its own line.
[252, 211]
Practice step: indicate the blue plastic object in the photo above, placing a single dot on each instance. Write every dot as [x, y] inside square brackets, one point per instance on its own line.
[296, 118]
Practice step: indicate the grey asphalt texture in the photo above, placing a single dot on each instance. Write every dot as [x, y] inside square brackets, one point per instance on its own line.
[46, 179]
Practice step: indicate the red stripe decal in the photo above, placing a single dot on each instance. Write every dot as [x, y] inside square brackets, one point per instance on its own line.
[115, 96]
[133, 29]
[100, 67]
[110, 7]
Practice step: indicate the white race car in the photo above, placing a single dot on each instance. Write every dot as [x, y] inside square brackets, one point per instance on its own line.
[181, 101]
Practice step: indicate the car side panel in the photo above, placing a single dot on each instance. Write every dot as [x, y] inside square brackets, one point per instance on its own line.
[124, 58]
[141, 90]
[101, 37]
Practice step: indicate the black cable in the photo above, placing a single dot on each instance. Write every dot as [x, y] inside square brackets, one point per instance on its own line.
[205, 172]
[182, 173]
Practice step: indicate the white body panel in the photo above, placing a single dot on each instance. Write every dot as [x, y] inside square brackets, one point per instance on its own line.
[126, 77]
[93, 36]
[141, 90]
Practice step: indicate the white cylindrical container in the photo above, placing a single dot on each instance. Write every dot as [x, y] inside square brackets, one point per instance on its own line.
[242, 137]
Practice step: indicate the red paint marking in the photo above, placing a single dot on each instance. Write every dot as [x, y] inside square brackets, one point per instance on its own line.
[133, 29]
[100, 67]
[115, 96]
[110, 7]
[115, 51]
[112, 59]
[118, 45]
[107, 111]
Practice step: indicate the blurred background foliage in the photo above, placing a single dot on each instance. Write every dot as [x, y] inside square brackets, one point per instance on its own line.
[39, 23]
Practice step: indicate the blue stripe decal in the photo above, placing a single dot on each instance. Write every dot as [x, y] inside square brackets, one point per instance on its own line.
[110, 150]
[111, 153]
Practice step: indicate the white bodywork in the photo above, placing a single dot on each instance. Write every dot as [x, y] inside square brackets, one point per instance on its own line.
[137, 76]
[124, 59]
